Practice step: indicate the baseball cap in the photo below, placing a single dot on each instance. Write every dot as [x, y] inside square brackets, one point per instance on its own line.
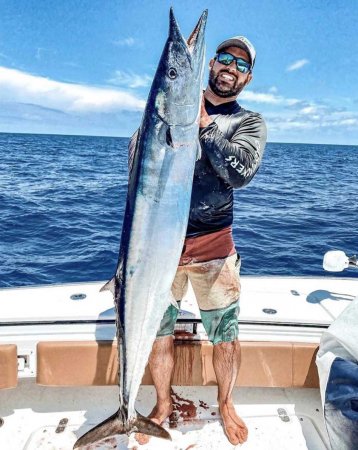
[241, 42]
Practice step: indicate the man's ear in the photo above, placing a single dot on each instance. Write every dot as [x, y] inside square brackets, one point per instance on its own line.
[211, 63]
[249, 78]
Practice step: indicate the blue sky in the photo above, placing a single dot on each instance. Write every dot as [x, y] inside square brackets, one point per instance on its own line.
[85, 67]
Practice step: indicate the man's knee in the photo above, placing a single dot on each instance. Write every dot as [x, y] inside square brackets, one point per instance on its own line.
[221, 325]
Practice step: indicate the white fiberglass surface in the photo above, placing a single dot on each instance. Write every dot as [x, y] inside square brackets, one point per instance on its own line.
[280, 419]
[294, 299]
[267, 433]
[81, 301]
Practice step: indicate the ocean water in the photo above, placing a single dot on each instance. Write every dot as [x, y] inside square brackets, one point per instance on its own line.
[62, 201]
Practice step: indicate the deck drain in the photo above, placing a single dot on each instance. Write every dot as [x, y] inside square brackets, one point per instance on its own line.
[269, 311]
[282, 414]
[1, 421]
[78, 296]
[61, 425]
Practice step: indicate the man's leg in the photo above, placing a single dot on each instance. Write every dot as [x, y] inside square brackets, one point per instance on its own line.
[161, 365]
[161, 360]
[216, 284]
[226, 361]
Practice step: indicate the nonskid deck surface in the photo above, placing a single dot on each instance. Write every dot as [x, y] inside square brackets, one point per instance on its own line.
[265, 433]
[278, 419]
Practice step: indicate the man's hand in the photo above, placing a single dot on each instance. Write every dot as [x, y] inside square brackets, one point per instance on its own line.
[205, 119]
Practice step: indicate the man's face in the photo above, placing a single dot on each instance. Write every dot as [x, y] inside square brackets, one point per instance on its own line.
[227, 81]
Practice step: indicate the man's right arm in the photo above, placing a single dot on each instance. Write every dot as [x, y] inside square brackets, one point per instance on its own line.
[236, 160]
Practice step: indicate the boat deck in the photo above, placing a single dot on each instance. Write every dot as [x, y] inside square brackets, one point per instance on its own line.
[277, 419]
[281, 322]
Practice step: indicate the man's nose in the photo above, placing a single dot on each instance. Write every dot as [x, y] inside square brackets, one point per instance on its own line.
[232, 66]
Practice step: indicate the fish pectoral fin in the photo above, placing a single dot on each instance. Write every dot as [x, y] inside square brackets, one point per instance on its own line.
[146, 426]
[132, 151]
[108, 428]
[198, 151]
[169, 138]
[109, 286]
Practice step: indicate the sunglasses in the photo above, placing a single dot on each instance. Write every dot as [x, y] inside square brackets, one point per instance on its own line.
[227, 58]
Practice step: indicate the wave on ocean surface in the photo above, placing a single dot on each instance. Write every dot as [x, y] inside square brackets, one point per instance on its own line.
[62, 202]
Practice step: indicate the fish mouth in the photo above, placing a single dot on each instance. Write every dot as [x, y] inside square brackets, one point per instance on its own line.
[197, 34]
[194, 44]
[193, 51]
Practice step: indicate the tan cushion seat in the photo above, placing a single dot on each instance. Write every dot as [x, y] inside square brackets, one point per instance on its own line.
[265, 364]
[8, 366]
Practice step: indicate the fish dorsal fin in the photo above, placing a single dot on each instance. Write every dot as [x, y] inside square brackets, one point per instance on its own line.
[116, 280]
[132, 147]
[198, 151]
[109, 286]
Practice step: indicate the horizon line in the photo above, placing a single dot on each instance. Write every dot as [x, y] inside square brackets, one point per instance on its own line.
[128, 137]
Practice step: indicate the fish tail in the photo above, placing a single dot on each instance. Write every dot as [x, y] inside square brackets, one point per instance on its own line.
[109, 427]
[146, 426]
[115, 425]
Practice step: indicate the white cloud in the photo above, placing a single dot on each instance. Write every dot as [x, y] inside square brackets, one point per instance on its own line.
[312, 109]
[71, 64]
[28, 98]
[297, 65]
[21, 87]
[268, 98]
[289, 114]
[260, 97]
[125, 42]
[285, 116]
[39, 53]
[280, 121]
[130, 79]
[349, 122]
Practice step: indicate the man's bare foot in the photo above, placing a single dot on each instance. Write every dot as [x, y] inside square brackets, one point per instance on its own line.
[158, 415]
[235, 429]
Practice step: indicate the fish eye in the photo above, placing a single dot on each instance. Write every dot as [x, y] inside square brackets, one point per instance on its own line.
[172, 73]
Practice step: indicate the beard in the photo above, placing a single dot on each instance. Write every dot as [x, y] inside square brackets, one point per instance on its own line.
[224, 89]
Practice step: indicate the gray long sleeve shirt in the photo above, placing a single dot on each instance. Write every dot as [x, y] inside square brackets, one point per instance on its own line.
[232, 149]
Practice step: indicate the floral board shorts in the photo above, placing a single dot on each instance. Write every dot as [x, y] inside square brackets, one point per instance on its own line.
[216, 285]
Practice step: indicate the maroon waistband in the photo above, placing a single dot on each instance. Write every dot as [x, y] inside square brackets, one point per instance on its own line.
[217, 245]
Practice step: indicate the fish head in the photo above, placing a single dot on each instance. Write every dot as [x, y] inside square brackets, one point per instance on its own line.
[176, 88]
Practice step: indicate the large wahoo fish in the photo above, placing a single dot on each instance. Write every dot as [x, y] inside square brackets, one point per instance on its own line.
[162, 157]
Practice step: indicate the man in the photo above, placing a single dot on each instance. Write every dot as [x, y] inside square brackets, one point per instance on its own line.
[232, 141]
